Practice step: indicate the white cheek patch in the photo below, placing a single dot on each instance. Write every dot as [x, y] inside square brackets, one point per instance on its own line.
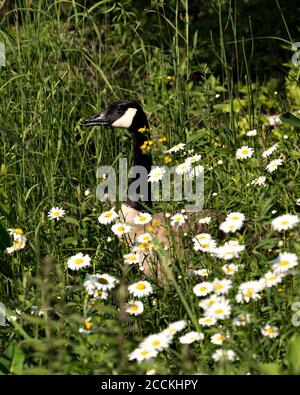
[126, 119]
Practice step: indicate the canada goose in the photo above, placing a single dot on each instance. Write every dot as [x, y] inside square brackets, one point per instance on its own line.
[129, 114]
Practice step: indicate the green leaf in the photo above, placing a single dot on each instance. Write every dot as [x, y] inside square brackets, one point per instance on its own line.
[69, 240]
[72, 220]
[12, 359]
[293, 354]
[5, 240]
[290, 119]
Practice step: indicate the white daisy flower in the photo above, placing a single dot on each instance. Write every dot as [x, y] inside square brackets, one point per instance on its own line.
[242, 319]
[221, 287]
[175, 327]
[230, 269]
[193, 159]
[19, 241]
[209, 246]
[144, 238]
[229, 250]
[205, 220]
[141, 354]
[132, 258]
[142, 218]
[272, 278]
[191, 337]
[249, 290]
[120, 229]
[78, 261]
[108, 216]
[244, 152]
[285, 222]
[176, 148]
[285, 262]
[183, 168]
[231, 226]
[273, 165]
[200, 272]
[219, 310]
[269, 151]
[210, 301]
[157, 341]
[207, 321]
[156, 174]
[105, 282]
[259, 181]
[56, 213]
[178, 219]
[235, 217]
[99, 294]
[202, 238]
[218, 339]
[203, 289]
[251, 133]
[140, 289]
[270, 331]
[134, 307]
[221, 355]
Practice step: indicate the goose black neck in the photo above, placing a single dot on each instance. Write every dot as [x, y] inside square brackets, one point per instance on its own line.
[140, 134]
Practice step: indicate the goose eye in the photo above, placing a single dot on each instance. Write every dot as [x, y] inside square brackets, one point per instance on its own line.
[119, 109]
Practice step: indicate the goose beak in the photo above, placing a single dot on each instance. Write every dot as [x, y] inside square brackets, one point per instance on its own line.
[97, 119]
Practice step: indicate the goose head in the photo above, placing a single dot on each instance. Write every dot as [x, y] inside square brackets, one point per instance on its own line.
[126, 114]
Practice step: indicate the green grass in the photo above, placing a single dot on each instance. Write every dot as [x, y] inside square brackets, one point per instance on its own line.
[66, 61]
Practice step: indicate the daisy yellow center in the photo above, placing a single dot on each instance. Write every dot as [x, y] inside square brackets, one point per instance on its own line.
[219, 311]
[19, 231]
[88, 325]
[133, 307]
[140, 286]
[178, 219]
[283, 263]
[235, 218]
[270, 330]
[56, 213]
[245, 151]
[143, 218]
[221, 338]
[284, 222]
[132, 258]
[156, 343]
[144, 353]
[272, 277]
[203, 289]
[108, 214]
[218, 287]
[102, 280]
[211, 302]
[231, 227]
[121, 228]
[205, 245]
[207, 320]
[249, 292]
[79, 261]
[18, 244]
[229, 270]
